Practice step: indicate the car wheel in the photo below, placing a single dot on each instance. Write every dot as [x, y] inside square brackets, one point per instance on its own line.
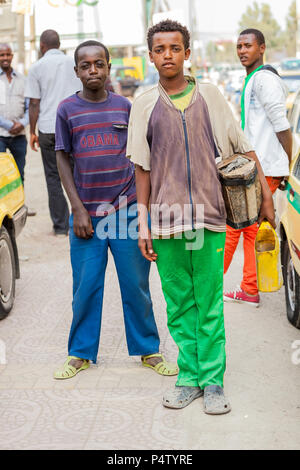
[292, 287]
[7, 273]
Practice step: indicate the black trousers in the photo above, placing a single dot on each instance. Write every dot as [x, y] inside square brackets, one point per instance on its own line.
[58, 206]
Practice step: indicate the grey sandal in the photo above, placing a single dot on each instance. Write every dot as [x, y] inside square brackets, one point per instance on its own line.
[181, 396]
[215, 402]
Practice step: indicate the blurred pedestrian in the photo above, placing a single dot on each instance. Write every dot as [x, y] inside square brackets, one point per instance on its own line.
[92, 127]
[13, 109]
[176, 130]
[50, 80]
[264, 120]
[14, 115]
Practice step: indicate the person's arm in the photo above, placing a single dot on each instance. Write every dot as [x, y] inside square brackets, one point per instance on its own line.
[24, 121]
[34, 111]
[239, 144]
[138, 150]
[271, 96]
[82, 224]
[17, 128]
[267, 205]
[143, 190]
[286, 140]
[20, 125]
[6, 123]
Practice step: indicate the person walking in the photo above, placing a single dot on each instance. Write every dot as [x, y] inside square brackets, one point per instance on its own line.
[92, 127]
[14, 115]
[50, 80]
[176, 131]
[264, 121]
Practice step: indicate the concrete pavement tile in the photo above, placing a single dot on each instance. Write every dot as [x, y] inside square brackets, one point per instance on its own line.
[18, 415]
[141, 378]
[17, 376]
[137, 421]
[89, 378]
[109, 380]
[243, 431]
[48, 420]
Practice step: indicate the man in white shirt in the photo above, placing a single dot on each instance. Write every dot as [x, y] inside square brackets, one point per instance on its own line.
[50, 80]
[263, 118]
[13, 109]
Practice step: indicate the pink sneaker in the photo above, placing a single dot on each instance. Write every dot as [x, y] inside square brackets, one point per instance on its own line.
[240, 296]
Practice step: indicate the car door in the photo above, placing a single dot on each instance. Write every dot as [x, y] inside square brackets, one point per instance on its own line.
[293, 212]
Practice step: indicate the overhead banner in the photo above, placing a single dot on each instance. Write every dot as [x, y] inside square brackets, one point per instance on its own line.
[72, 3]
[23, 7]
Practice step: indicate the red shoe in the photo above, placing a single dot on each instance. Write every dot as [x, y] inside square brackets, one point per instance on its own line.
[240, 296]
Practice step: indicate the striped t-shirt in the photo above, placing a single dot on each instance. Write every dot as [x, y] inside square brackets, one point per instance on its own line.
[96, 136]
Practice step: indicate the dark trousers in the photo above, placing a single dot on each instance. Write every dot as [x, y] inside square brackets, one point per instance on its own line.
[58, 205]
[18, 147]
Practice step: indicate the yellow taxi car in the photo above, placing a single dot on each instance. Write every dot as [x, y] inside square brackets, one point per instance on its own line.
[13, 215]
[291, 79]
[288, 207]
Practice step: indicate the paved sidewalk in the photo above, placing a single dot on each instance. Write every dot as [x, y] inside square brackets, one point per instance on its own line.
[116, 404]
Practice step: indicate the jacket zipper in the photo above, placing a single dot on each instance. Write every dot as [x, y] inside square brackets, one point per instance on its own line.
[188, 163]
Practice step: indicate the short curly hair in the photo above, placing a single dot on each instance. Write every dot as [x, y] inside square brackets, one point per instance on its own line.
[88, 44]
[167, 26]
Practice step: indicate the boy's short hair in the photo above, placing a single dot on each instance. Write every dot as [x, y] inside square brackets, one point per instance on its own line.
[91, 43]
[258, 34]
[167, 26]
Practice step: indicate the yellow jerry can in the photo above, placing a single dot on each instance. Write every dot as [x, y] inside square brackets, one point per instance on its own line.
[268, 262]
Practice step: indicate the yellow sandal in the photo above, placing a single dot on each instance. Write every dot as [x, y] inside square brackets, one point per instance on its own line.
[68, 371]
[163, 367]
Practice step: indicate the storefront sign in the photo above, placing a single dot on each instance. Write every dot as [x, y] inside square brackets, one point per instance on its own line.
[72, 3]
[23, 7]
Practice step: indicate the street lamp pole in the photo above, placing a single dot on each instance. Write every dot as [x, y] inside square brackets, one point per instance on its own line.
[298, 28]
[192, 20]
[80, 22]
[21, 41]
[32, 36]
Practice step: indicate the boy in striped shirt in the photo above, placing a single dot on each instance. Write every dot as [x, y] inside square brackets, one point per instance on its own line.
[91, 127]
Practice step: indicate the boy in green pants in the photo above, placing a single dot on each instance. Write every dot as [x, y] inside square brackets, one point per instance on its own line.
[176, 132]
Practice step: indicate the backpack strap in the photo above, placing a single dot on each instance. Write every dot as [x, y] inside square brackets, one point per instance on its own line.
[270, 68]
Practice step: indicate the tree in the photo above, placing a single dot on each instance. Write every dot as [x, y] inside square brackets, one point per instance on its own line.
[221, 52]
[261, 17]
[290, 35]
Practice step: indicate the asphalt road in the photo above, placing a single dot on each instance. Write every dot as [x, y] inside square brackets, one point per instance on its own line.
[116, 404]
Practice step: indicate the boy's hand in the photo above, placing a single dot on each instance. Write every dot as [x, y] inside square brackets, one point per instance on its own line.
[145, 245]
[267, 211]
[283, 184]
[82, 224]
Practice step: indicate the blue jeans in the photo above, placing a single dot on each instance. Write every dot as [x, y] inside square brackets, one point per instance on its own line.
[18, 147]
[89, 261]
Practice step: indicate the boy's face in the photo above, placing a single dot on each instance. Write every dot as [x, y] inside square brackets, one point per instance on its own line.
[248, 49]
[168, 53]
[92, 67]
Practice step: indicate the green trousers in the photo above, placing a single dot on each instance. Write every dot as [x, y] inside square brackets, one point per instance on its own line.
[192, 283]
